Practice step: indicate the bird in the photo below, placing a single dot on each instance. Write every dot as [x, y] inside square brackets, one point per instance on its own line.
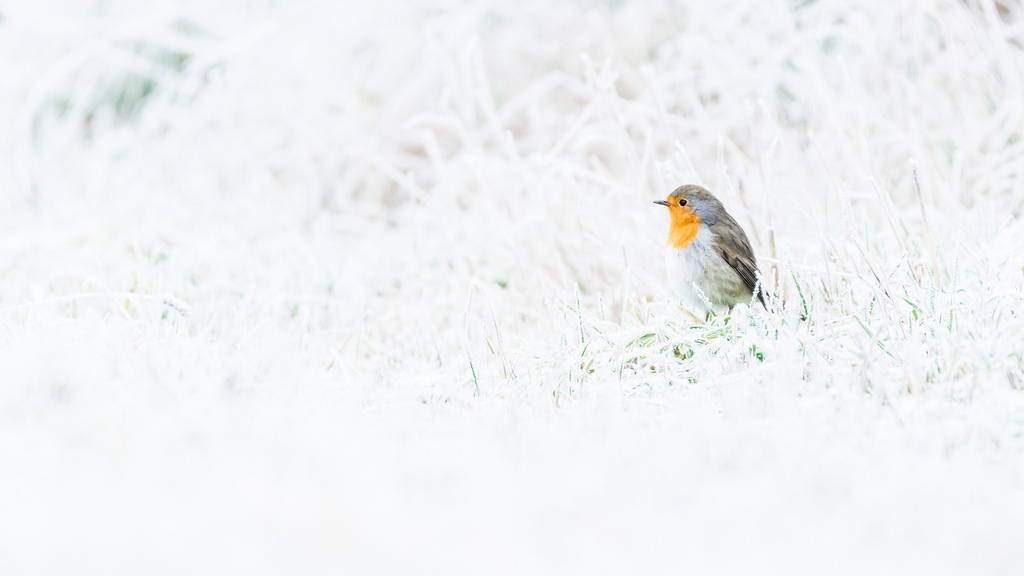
[708, 253]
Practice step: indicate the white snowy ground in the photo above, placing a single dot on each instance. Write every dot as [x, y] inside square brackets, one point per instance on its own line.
[376, 288]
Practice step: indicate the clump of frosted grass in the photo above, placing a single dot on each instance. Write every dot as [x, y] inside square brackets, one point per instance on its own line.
[343, 280]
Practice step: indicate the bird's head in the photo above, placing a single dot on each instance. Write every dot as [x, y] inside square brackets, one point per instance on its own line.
[689, 206]
[691, 202]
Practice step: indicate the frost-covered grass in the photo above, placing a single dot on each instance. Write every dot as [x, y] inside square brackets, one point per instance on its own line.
[346, 288]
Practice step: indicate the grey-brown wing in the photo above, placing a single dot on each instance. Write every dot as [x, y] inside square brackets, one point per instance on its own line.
[732, 245]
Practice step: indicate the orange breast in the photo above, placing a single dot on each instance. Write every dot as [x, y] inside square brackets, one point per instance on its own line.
[684, 227]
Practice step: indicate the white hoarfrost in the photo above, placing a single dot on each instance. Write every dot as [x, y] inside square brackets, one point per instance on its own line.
[326, 287]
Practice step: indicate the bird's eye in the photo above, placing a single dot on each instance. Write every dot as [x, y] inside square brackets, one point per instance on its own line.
[682, 201]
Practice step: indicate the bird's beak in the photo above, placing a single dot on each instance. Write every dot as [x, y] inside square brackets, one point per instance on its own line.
[662, 202]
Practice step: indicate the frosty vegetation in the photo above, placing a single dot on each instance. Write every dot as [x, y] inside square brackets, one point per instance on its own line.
[378, 288]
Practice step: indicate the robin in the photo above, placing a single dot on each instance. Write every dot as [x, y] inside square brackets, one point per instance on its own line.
[708, 251]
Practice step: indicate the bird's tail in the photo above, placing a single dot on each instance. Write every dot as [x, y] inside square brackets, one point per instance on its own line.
[763, 295]
[767, 299]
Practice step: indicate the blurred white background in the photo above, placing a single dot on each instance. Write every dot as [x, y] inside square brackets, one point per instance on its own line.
[326, 287]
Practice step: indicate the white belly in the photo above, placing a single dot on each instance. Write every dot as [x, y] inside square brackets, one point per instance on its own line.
[698, 267]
